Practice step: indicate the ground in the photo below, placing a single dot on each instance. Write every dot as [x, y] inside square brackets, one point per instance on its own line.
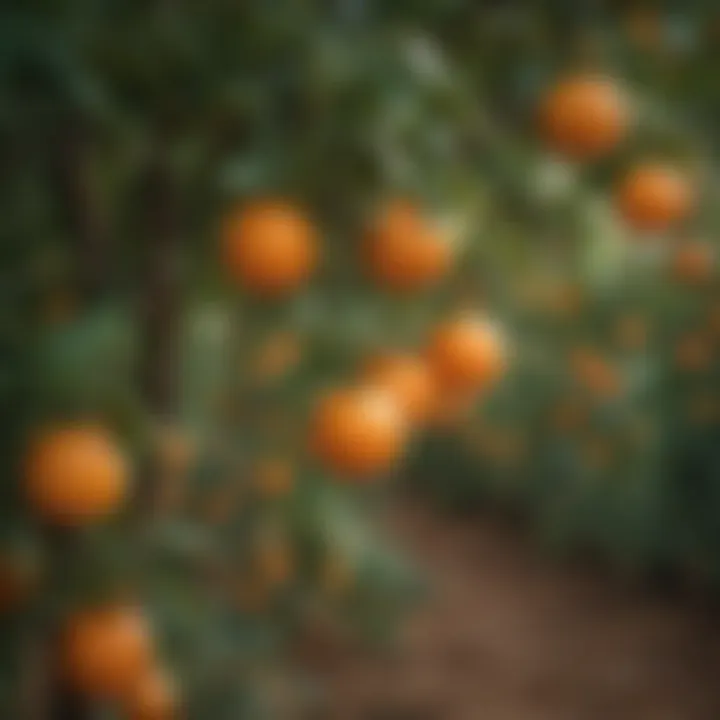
[511, 634]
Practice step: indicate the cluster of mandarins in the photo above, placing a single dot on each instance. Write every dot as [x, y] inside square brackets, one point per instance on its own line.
[271, 248]
[76, 476]
[587, 117]
[584, 118]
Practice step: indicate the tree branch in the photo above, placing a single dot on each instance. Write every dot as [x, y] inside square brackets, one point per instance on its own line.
[159, 301]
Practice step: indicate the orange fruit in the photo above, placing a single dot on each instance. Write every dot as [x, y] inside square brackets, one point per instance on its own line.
[153, 697]
[467, 353]
[568, 415]
[433, 258]
[584, 117]
[17, 580]
[693, 263]
[595, 373]
[105, 651]
[277, 357]
[403, 251]
[653, 197]
[408, 378]
[358, 431]
[270, 247]
[631, 332]
[75, 475]
[693, 352]
[274, 561]
[273, 478]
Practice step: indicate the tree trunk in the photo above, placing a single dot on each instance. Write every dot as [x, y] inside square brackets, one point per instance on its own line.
[77, 194]
[159, 310]
[159, 294]
[79, 198]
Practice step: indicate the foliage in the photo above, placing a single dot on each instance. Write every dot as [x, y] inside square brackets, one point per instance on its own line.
[132, 130]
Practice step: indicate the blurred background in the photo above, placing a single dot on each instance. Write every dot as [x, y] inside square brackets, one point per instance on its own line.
[359, 359]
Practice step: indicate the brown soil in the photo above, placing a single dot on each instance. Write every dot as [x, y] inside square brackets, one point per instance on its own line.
[510, 635]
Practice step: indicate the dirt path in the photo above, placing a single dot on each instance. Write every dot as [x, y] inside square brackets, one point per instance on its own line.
[510, 636]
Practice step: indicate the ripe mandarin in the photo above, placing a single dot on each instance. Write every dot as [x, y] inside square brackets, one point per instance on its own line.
[693, 263]
[270, 247]
[358, 431]
[409, 379]
[75, 475]
[403, 251]
[153, 697]
[584, 117]
[106, 650]
[653, 197]
[467, 353]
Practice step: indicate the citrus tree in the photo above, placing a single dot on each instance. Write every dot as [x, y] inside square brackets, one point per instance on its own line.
[603, 431]
[228, 227]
